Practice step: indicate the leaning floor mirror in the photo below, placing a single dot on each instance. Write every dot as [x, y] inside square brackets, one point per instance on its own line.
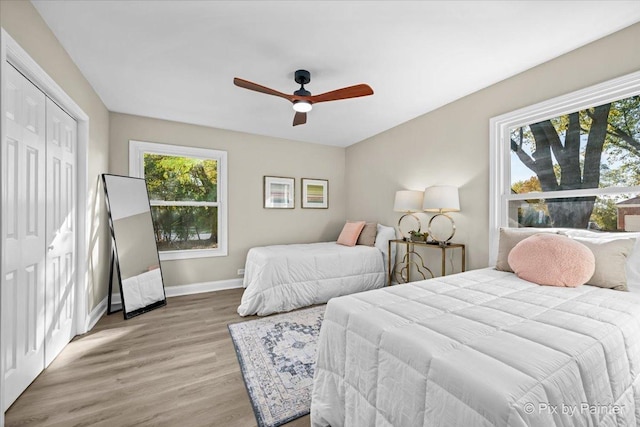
[134, 258]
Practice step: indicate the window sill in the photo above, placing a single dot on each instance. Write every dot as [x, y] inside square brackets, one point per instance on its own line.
[191, 254]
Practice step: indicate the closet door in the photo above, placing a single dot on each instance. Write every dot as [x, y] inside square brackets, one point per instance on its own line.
[60, 230]
[23, 234]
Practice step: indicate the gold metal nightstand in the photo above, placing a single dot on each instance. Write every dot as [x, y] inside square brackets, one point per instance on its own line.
[404, 266]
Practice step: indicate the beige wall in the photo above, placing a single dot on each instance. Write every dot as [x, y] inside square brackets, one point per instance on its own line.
[21, 20]
[451, 144]
[250, 157]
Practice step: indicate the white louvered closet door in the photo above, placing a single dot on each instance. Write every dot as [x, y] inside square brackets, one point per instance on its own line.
[23, 229]
[38, 233]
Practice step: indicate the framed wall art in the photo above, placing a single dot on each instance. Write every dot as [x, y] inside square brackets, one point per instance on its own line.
[279, 192]
[315, 193]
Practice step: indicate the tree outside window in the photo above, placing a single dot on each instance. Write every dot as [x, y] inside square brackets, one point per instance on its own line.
[594, 148]
[183, 195]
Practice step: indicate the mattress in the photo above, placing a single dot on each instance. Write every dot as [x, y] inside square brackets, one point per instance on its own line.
[481, 348]
[281, 278]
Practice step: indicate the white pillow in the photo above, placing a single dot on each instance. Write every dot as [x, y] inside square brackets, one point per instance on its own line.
[633, 260]
[382, 243]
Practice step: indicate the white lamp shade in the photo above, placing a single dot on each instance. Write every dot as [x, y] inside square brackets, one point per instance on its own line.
[408, 201]
[441, 198]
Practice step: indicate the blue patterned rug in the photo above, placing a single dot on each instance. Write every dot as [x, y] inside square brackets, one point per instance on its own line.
[277, 356]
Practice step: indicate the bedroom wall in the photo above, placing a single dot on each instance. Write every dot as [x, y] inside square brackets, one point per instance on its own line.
[450, 145]
[250, 157]
[21, 20]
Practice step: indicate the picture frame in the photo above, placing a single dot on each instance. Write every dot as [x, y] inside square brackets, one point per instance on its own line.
[279, 192]
[315, 193]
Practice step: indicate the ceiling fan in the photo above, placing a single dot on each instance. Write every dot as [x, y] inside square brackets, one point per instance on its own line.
[302, 99]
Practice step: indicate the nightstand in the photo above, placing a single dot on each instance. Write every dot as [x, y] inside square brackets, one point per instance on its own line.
[411, 258]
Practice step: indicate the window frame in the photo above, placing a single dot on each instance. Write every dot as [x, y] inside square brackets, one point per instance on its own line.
[500, 147]
[137, 149]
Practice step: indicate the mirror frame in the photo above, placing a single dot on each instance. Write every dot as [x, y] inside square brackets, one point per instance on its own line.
[115, 261]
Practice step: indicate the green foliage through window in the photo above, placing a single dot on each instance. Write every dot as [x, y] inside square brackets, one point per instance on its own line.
[184, 195]
[181, 178]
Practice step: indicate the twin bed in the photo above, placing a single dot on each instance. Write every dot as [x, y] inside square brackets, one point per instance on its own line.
[282, 278]
[481, 348]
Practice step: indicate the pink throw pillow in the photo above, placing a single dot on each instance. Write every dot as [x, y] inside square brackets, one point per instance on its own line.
[350, 233]
[552, 259]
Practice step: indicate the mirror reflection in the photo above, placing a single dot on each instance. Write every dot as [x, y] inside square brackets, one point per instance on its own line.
[135, 252]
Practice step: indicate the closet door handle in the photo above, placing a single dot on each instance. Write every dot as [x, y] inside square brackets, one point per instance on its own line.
[50, 248]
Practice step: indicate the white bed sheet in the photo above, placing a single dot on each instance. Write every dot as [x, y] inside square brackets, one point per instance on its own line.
[281, 278]
[481, 348]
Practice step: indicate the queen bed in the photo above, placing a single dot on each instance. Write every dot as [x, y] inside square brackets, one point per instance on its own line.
[481, 348]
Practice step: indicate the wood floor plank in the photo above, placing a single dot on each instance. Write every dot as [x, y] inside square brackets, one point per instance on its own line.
[173, 366]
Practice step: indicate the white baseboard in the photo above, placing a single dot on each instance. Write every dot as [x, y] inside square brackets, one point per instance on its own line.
[95, 315]
[175, 291]
[116, 301]
[198, 288]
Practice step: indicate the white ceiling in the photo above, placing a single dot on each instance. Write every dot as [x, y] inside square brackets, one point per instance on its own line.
[176, 60]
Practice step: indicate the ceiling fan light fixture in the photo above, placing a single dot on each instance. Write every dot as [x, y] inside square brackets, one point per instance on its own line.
[302, 99]
[302, 106]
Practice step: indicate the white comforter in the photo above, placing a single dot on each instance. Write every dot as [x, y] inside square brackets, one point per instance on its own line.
[143, 290]
[285, 277]
[481, 348]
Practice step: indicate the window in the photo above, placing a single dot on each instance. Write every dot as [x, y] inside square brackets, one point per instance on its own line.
[573, 162]
[188, 194]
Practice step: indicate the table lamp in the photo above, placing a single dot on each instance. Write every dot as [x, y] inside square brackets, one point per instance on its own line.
[408, 201]
[441, 199]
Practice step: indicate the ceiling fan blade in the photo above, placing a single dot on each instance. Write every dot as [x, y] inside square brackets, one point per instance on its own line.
[245, 84]
[299, 119]
[344, 93]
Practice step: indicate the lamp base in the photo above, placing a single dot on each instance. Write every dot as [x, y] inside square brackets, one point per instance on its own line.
[441, 240]
[405, 237]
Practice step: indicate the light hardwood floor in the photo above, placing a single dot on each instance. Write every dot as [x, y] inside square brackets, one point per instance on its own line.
[174, 366]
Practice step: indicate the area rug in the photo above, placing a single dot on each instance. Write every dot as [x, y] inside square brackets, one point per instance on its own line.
[277, 356]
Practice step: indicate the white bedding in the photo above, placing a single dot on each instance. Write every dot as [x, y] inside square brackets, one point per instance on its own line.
[481, 348]
[143, 290]
[285, 277]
